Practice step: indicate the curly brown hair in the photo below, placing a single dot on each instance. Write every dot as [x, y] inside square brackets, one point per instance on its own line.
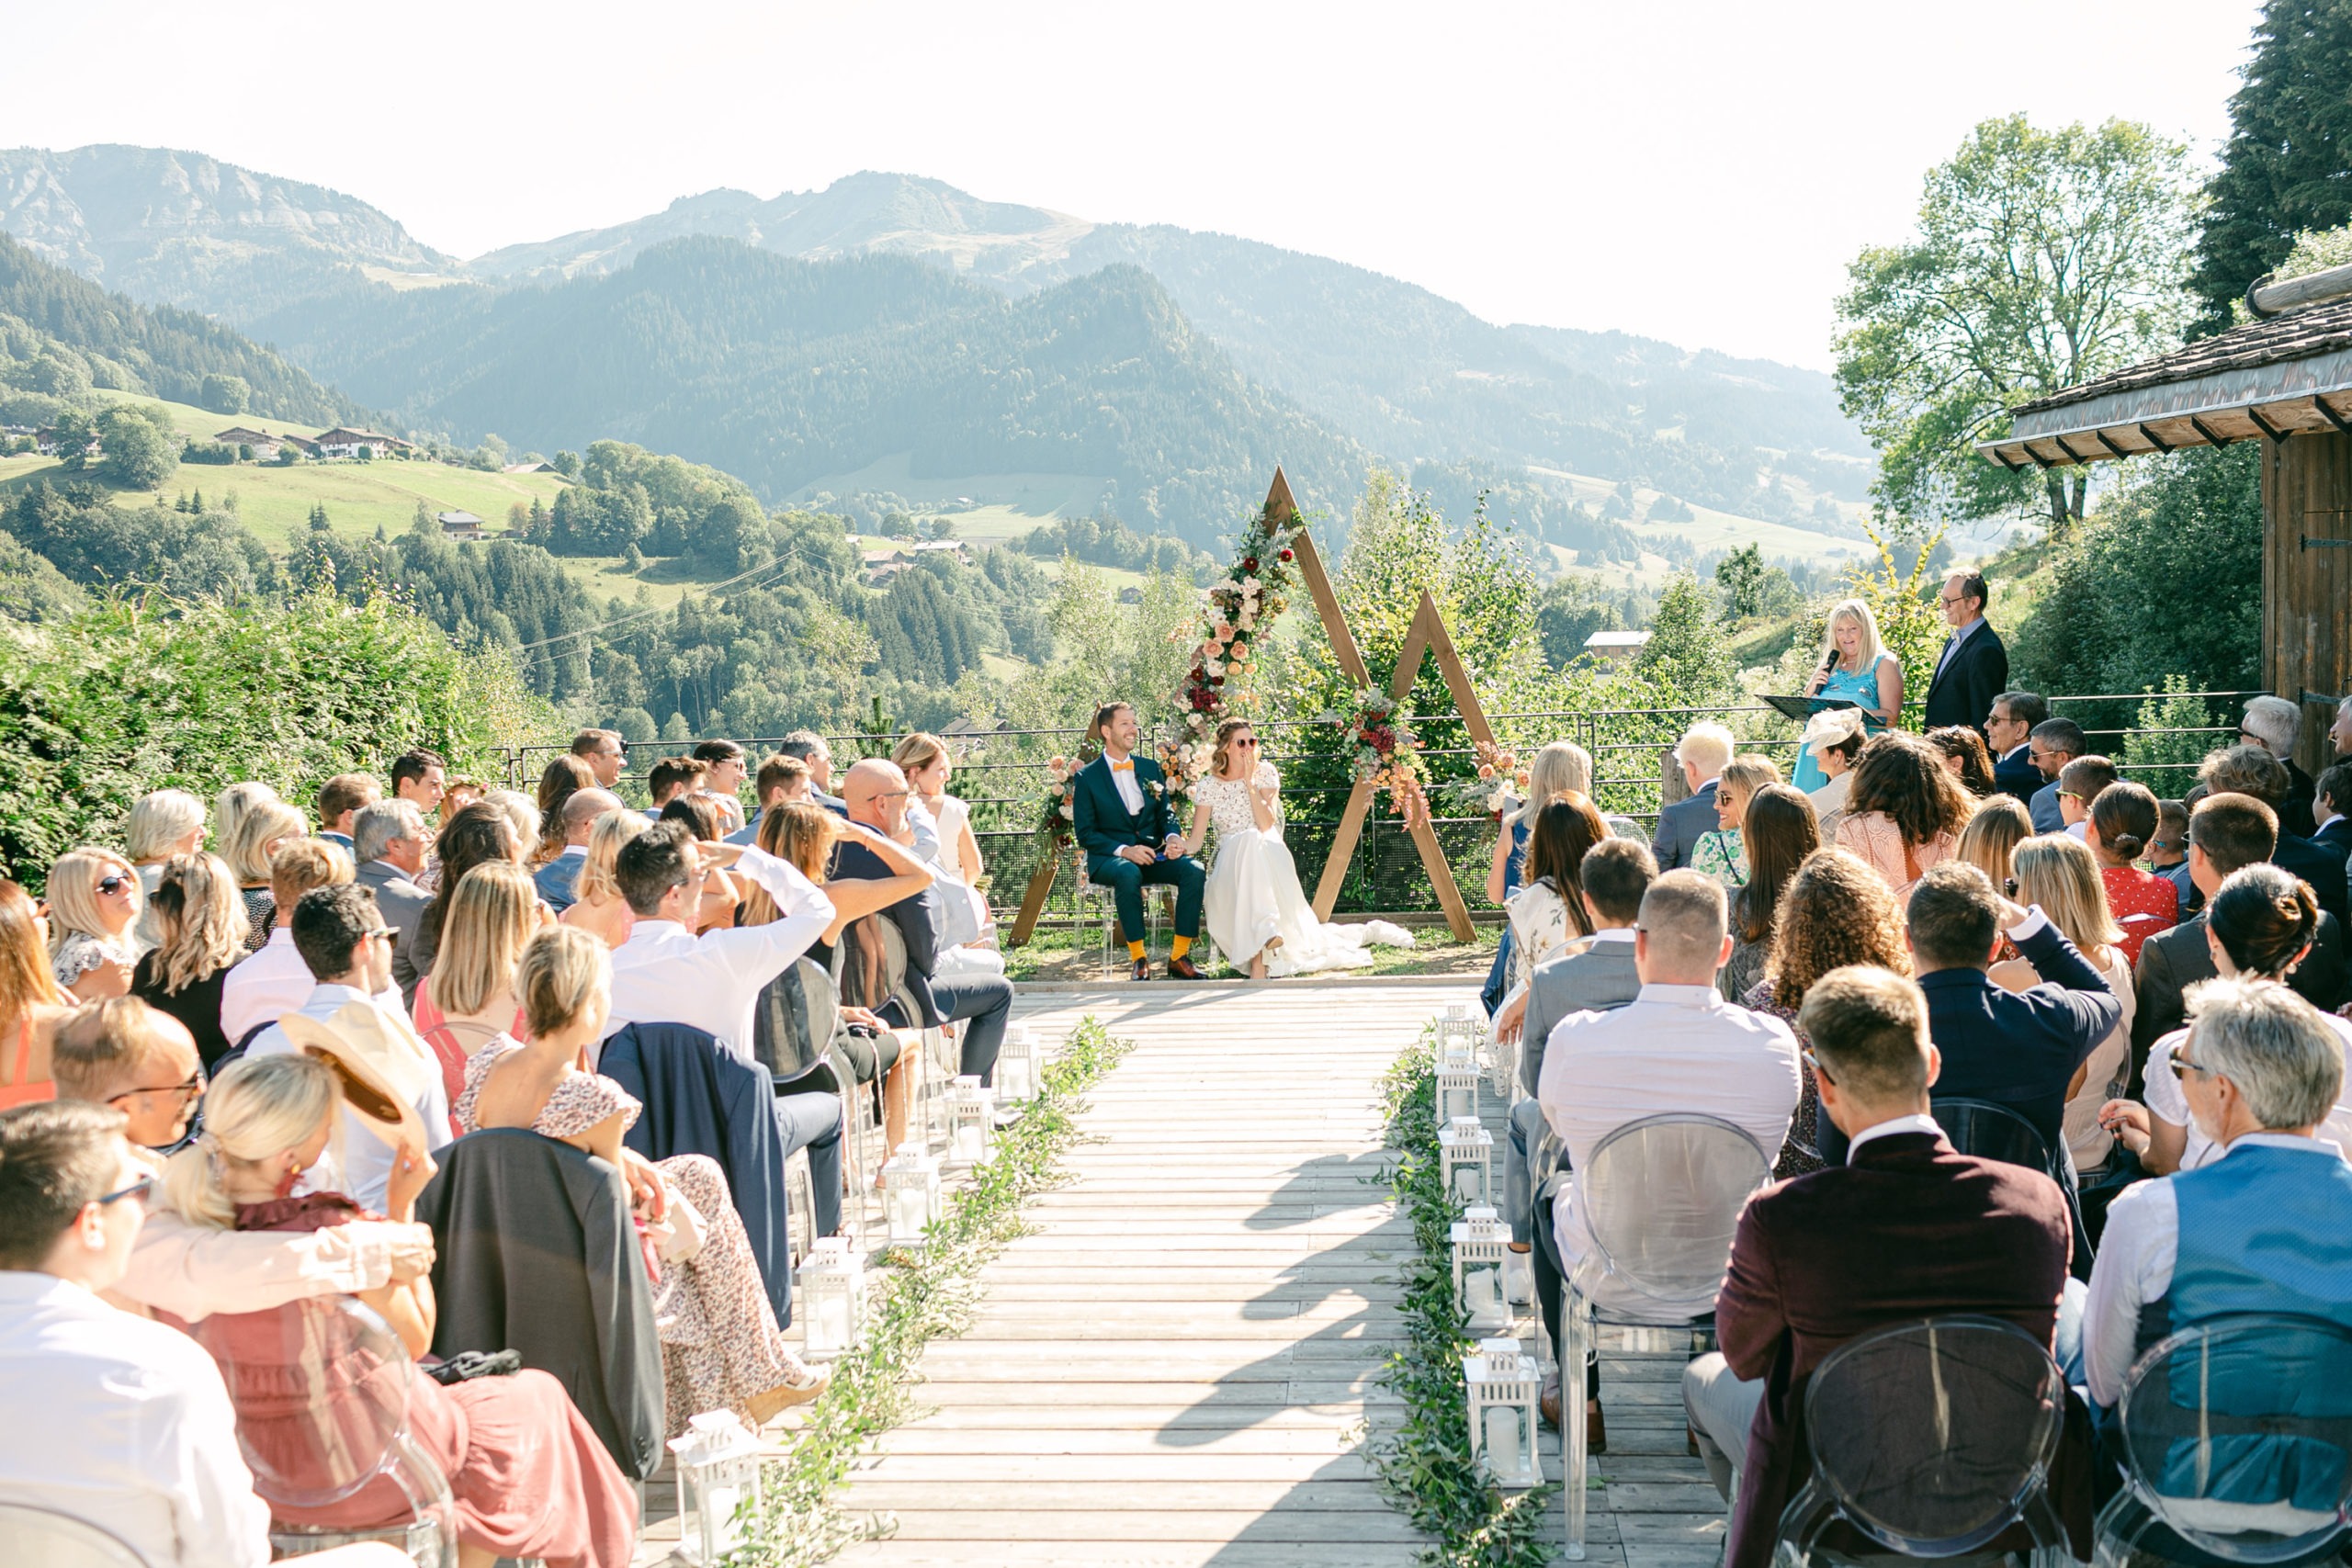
[1957, 742]
[1837, 910]
[1907, 780]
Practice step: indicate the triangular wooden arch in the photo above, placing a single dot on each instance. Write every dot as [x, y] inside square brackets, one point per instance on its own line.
[1427, 635]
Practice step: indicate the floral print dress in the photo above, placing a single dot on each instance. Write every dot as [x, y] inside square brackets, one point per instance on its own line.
[720, 1346]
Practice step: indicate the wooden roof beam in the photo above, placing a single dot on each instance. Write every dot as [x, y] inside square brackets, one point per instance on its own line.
[2329, 413]
[2151, 439]
[2070, 452]
[2103, 440]
[2212, 436]
[2277, 436]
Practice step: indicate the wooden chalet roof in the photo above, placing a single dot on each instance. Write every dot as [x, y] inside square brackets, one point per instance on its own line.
[2274, 379]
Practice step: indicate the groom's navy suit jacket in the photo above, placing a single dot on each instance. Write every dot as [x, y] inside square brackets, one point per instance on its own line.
[1103, 824]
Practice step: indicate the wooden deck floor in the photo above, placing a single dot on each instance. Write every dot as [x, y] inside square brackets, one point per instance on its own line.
[1171, 1370]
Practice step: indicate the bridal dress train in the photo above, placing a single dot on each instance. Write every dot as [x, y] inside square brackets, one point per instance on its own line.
[1253, 896]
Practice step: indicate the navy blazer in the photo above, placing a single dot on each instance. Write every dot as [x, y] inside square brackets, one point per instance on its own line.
[700, 1100]
[2319, 864]
[2018, 1049]
[1101, 821]
[1680, 827]
[1962, 691]
[2016, 775]
[2047, 816]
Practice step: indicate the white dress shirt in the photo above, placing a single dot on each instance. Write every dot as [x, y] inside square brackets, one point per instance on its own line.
[1123, 779]
[2136, 1254]
[265, 986]
[2166, 1099]
[664, 974]
[1672, 1048]
[193, 1271]
[122, 1423]
[1917, 1122]
[367, 1160]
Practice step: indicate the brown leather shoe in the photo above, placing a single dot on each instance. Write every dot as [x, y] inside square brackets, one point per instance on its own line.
[1184, 969]
[1142, 969]
[1547, 1402]
[1596, 1430]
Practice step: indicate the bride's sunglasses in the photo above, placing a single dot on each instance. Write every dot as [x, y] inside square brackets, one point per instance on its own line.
[1245, 740]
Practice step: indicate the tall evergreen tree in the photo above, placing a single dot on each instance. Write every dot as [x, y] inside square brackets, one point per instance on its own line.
[2287, 167]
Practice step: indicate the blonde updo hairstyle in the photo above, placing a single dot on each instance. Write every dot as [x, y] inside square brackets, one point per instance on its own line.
[255, 1112]
[917, 751]
[561, 969]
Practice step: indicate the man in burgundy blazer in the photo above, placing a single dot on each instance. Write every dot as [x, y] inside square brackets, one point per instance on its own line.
[1905, 1229]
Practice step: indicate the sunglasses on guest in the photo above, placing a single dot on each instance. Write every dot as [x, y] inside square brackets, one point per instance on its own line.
[113, 883]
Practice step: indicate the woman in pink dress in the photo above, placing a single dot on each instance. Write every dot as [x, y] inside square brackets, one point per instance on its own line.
[468, 1000]
[528, 1476]
[1905, 812]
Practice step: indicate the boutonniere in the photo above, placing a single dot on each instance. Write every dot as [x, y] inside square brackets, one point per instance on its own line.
[1155, 786]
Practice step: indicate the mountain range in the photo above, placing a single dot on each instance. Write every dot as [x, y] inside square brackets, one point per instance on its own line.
[1163, 366]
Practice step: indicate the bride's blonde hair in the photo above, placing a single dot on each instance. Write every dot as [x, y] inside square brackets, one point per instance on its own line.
[1225, 734]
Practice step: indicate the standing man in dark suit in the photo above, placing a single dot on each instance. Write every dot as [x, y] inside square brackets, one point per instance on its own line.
[1128, 836]
[1904, 1227]
[2332, 808]
[1973, 666]
[2009, 731]
[1703, 753]
[2277, 725]
[2225, 831]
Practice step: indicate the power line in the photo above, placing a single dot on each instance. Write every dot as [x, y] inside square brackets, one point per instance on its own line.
[787, 557]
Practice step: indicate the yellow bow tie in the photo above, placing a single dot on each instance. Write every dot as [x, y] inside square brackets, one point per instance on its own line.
[1123, 767]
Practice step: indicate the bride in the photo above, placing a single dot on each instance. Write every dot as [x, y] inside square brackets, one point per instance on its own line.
[1255, 910]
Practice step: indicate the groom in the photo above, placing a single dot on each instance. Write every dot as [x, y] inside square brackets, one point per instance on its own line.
[1129, 839]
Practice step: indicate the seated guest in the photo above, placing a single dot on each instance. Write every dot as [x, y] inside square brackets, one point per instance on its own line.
[2277, 725]
[528, 1475]
[1963, 752]
[340, 799]
[2226, 832]
[162, 823]
[276, 981]
[722, 782]
[93, 901]
[2059, 878]
[482, 832]
[391, 846]
[1905, 810]
[1779, 832]
[781, 779]
[561, 779]
[1547, 914]
[2121, 825]
[199, 937]
[463, 790]
[2259, 926]
[559, 879]
[1834, 739]
[1836, 912]
[31, 1006]
[2331, 809]
[126, 1056]
[2250, 769]
[2018, 1049]
[1678, 1046]
[521, 821]
[1703, 751]
[137, 1437]
[1719, 852]
[812, 749]
[1990, 841]
[468, 1000]
[720, 894]
[2263, 1226]
[2009, 732]
[2079, 784]
[721, 1348]
[422, 776]
[598, 907]
[874, 794]
[2054, 743]
[670, 778]
[1900, 1229]
[666, 974]
[2168, 852]
[261, 827]
[926, 762]
[346, 947]
[605, 752]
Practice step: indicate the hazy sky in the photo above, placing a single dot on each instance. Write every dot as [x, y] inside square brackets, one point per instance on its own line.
[1693, 170]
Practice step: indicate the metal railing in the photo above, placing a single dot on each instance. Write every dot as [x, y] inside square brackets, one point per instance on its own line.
[1000, 775]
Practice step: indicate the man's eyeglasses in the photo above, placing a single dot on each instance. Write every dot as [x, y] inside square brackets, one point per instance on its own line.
[2182, 1067]
[1818, 1071]
[1948, 600]
[2074, 795]
[114, 884]
[185, 1090]
[139, 1189]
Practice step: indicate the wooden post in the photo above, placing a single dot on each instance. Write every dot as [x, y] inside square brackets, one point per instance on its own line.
[1033, 902]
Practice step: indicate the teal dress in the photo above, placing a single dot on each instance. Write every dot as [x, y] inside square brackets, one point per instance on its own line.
[1860, 688]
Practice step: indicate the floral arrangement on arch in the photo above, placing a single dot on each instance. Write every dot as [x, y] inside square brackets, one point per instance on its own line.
[1498, 781]
[1256, 589]
[1386, 754]
[1059, 807]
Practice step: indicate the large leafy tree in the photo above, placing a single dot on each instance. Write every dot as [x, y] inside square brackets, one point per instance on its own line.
[2287, 167]
[2043, 258]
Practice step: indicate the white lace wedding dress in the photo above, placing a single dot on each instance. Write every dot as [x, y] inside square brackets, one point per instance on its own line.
[1253, 893]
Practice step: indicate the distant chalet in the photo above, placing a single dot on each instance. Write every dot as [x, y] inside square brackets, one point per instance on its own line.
[341, 442]
[459, 525]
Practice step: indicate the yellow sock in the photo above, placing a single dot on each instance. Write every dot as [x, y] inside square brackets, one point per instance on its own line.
[1178, 947]
[1135, 951]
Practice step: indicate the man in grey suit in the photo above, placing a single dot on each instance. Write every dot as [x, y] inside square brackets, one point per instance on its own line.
[390, 841]
[1704, 752]
[1616, 872]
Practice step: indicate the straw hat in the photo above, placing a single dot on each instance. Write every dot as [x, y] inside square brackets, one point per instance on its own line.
[382, 1067]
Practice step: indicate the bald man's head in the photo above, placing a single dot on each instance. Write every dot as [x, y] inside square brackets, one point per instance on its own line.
[875, 793]
[580, 813]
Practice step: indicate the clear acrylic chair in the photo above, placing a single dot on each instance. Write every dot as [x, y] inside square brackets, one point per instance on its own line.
[321, 1388]
[34, 1537]
[2235, 1435]
[1931, 1439]
[1660, 1197]
[1992, 1131]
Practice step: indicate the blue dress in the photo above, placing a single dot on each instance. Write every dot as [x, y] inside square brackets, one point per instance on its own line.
[1860, 688]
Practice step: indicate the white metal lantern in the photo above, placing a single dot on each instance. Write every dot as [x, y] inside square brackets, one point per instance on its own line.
[718, 1471]
[1481, 1253]
[1502, 1059]
[833, 1292]
[910, 1191]
[1503, 1386]
[1466, 1159]
[1017, 1064]
[1457, 1087]
[1453, 1030]
[971, 1122]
